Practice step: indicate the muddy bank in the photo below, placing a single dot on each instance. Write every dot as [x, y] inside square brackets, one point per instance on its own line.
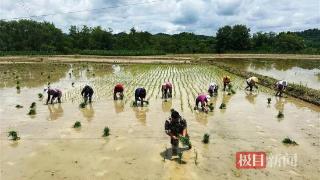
[297, 91]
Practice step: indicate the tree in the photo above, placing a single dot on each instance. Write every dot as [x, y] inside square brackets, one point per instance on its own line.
[224, 39]
[240, 38]
[289, 42]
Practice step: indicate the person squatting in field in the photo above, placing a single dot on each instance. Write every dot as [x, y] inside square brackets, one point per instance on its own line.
[251, 82]
[87, 93]
[281, 87]
[118, 89]
[175, 127]
[140, 95]
[226, 82]
[166, 90]
[213, 89]
[53, 94]
[202, 99]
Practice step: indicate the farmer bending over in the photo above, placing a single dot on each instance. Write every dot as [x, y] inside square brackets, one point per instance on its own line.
[213, 89]
[251, 82]
[87, 93]
[226, 82]
[118, 89]
[281, 87]
[203, 99]
[53, 94]
[166, 90]
[176, 126]
[139, 95]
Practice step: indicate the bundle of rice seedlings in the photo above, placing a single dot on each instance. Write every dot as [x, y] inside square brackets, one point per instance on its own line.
[106, 132]
[280, 115]
[223, 106]
[206, 138]
[14, 135]
[287, 140]
[77, 124]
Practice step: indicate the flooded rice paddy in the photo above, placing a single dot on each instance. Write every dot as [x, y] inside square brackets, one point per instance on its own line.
[305, 72]
[138, 147]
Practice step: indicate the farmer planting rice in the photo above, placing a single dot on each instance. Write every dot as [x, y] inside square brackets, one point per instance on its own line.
[87, 93]
[176, 127]
[213, 89]
[251, 82]
[140, 95]
[281, 87]
[118, 89]
[53, 94]
[226, 82]
[166, 90]
[203, 99]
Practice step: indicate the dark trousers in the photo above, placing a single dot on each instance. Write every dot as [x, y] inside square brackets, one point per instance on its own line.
[87, 96]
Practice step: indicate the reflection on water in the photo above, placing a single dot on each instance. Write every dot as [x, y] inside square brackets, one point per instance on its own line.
[251, 97]
[305, 72]
[279, 105]
[167, 105]
[88, 112]
[141, 114]
[55, 111]
[118, 106]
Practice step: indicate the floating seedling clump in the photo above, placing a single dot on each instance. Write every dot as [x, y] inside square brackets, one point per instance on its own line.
[106, 132]
[269, 100]
[206, 138]
[289, 141]
[14, 135]
[32, 112]
[280, 115]
[82, 105]
[223, 106]
[77, 124]
[33, 105]
[19, 106]
[40, 95]
[211, 107]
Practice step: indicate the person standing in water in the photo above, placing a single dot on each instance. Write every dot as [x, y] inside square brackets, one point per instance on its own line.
[166, 90]
[251, 82]
[202, 99]
[226, 82]
[140, 95]
[53, 94]
[118, 89]
[281, 87]
[213, 89]
[175, 127]
[87, 93]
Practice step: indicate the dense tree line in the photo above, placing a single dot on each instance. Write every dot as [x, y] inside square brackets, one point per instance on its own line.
[32, 36]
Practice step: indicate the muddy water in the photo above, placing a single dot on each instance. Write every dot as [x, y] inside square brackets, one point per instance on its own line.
[305, 72]
[138, 147]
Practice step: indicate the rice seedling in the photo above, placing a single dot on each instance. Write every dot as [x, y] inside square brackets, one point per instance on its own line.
[185, 141]
[32, 112]
[280, 115]
[19, 106]
[288, 141]
[232, 91]
[211, 107]
[206, 138]
[33, 105]
[269, 100]
[106, 132]
[14, 135]
[18, 82]
[223, 106]
[18, 87]
[49, 77]
[72, 84]
[77, 124]
[40, 95]
[82, 105]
